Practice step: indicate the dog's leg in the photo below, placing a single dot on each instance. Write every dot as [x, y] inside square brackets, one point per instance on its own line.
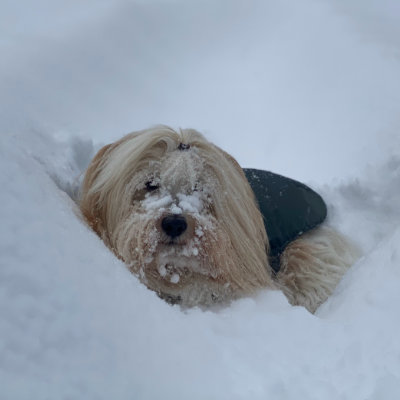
[313, 265]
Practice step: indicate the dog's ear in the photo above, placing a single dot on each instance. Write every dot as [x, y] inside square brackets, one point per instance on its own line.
[232, 160]
[91, 207]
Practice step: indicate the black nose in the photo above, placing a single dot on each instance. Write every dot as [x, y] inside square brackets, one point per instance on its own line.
[174, 225]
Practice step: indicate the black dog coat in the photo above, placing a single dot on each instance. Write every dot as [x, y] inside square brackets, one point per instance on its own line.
[289, 209]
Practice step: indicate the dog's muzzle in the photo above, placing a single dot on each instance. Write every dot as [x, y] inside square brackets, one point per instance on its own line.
[174, 225]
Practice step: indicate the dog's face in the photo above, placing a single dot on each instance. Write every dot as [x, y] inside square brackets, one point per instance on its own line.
[180, 213]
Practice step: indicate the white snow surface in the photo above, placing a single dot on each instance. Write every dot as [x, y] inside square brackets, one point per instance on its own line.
[308, 89]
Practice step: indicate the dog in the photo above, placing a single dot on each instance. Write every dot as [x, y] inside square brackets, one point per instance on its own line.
[180, 213]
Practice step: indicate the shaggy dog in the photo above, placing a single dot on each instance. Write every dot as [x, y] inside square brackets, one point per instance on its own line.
[180, 213]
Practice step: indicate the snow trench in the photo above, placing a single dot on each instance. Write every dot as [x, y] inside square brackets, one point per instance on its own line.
[76, 324]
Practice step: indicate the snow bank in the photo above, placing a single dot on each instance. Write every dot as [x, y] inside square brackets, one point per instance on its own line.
[76, 324]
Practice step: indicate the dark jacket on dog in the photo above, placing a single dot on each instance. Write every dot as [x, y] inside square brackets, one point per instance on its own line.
[289, 208]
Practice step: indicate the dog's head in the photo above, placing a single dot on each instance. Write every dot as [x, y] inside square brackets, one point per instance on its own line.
[180, 213]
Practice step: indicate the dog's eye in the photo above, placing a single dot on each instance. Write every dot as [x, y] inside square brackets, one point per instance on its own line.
[151, 186]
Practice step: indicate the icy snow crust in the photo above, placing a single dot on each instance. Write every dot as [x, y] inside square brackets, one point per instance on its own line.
[307, 89]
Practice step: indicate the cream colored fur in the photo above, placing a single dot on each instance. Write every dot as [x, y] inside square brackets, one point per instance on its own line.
[222, 255]
[313, 265]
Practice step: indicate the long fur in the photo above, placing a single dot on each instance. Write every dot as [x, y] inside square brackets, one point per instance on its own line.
[223, 254]
[313, 265]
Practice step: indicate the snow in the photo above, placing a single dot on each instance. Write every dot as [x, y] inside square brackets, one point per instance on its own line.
[307, 89]
[190, 203]
[157, 202]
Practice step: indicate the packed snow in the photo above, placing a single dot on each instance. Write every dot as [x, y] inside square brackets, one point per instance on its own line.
[307, 89]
